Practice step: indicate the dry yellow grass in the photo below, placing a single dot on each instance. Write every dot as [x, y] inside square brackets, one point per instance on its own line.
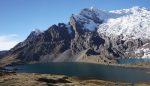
[32, 79]
[7, 60]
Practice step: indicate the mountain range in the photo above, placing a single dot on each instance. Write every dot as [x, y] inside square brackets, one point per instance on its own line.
[93, 35]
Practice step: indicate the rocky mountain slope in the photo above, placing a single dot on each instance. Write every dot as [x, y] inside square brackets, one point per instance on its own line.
[91, 36]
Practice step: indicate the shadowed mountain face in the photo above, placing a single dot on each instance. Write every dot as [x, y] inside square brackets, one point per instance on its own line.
[86, 38]
[3, 53]
[49, 43]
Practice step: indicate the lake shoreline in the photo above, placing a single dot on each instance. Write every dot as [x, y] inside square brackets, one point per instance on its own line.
[135, 65]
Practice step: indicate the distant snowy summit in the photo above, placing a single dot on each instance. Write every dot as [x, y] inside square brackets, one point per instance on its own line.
[134, 23]
[131, 23]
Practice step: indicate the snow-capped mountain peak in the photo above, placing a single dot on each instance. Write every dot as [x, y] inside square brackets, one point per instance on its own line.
[134, 24]
[90, 18]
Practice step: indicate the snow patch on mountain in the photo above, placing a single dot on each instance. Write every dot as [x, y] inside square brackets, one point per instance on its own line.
[32, 35]
[69, 29]
[36, 32]
[143, 51]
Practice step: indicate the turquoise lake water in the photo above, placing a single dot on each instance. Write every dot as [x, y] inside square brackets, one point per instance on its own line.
[88, 71]
[133, 60]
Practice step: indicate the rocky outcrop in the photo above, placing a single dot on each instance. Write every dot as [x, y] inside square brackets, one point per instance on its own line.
[84, 39]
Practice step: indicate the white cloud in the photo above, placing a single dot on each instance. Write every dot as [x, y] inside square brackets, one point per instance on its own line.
[8, 41]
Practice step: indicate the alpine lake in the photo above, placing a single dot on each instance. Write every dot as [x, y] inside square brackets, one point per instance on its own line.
[89, 71]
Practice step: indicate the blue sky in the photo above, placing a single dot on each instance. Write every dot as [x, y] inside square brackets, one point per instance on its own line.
[19, 17]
